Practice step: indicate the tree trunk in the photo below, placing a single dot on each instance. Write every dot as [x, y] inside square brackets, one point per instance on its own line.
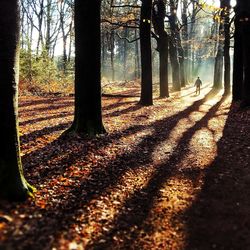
[238, 63]
[88, 111]
[159, 12]
[245, 33]
[173, 47]
[137, 58]
[146, 53]
[227, 61]
[48, 27]
[163, 53]
[125, 51]
[175, 66]
[112, 54]
[218, 65]
[13, 186]
[185, 38]
[183, 78]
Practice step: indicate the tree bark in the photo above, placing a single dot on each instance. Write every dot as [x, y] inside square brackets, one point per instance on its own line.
[88, 110]
[245, 32]
[146, 54]
[173, 47]
[218, 65]
[112, 54]
[185, 38]
[241, 74]
[159, 12]
[227, 62]
[237, 63]
[137, 58]
[13, 186]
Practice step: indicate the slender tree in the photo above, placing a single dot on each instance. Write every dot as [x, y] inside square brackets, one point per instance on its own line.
[227, 63]
[159, 13]
[146, 53]
[88, 111]
[173, 46]
[13, 186]
[218, 65]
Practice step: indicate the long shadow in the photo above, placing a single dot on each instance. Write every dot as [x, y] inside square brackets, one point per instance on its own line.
[65, 114]
[117, 104]
[126, 110]
[36, 102]
[69, 152]
[99, 181]
[45, 131]
[192, 87]
[47, 117]
[138, 207]
[220, 216]
[32, 159]
[46, 109]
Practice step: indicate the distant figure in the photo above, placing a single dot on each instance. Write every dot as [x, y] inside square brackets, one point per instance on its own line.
[198, 84]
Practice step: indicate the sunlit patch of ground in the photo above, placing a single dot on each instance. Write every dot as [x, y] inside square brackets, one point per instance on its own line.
[141, 186]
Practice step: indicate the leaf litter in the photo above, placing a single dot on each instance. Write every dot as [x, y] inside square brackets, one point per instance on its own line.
[174, 175]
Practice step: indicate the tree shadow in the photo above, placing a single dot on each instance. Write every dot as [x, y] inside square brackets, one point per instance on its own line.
[68, 156]
[24, 103]
[117, 104]
[45, 131]
[219, 218]
[126, 110]
[137, 208]
[54, 107]
[102, 178]
[45, 118]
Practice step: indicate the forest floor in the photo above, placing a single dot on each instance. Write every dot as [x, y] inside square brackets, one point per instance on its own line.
[175, 175]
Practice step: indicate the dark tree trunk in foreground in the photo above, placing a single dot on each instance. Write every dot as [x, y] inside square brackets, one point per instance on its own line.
[159, 12]
[242, 48]
[88, 111]
[13, 186]
[146, 53]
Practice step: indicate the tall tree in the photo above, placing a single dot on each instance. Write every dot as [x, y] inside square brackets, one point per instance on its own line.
[173, 45]
[227, 63]
[88, 110]
[159, 13]
[146, 53]
[238, 61]
[218, 65]
[13, 185]
[243, 27]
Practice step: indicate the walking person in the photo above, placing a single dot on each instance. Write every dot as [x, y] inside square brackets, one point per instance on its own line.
[198, 84]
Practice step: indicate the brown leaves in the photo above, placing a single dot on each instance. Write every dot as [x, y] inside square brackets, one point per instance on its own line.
[132, 188]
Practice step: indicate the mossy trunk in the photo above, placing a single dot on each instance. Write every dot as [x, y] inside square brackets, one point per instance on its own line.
[88, 108]
[13, 186]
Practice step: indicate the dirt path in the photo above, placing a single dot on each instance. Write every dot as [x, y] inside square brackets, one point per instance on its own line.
[172, 176]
